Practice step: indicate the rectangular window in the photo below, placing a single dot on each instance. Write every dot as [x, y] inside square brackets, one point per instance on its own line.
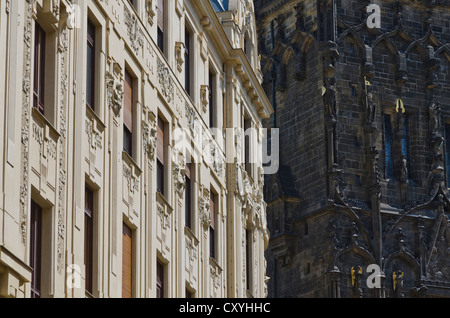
[247, 258]
[212, 227]
[211, 100]
[405, 143]
[188, 197]
[160, 280]
[187, 63]
[90, 66]
[127, 262]
[89, 238]
[272, 35]
[128, 102]
[447, 153]
[248, 145]
[160, 17]
[160, 157]
[39, 69]
[35, 249]
[388, 140]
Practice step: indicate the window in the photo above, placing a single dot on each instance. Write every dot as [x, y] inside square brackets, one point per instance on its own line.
[89, 238]
[187, 63]
[272, 35]
[388, 139]
[128, 114]
[188, 197]
[212, 227]
[35, 249]
[160, 13]
[247, 258]
[90, 65]
[160, 280]
[127, 262]
[134, 3]
[39, 68]
[405, 142]
[248, 145]
[212, 122]
[447, 153]
[160, 157]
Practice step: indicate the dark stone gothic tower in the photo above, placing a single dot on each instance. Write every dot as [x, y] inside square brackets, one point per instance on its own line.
[363, 112]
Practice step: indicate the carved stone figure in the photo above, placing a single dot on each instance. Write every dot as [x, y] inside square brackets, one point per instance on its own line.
[329, 99]
[371, 108]
[403, 169]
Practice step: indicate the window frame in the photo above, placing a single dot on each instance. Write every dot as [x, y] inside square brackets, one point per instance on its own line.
[213, 201]
[89, 214]
[126, 227]
[161, 25]
[128, 121]
[36, 212]
[91, 40]
[160, 279]
[161, 156]
[388, 139]
[188, 196]
[40, 54]
[187, 60]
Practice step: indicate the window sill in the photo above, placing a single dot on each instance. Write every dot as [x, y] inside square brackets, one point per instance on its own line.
[91, 114]
[190, 234]
[37, 116]
[130, 161]
[215, 264]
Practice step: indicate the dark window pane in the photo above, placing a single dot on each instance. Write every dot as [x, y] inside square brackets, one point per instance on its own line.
[127, 141]
[35, 249]
[90, 66]
[39, 68]
[187, 202]
[159, 280]
[405, 142]
[89, 238]
[160, 177]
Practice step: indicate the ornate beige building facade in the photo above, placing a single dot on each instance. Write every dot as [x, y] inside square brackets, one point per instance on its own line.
[98, 196]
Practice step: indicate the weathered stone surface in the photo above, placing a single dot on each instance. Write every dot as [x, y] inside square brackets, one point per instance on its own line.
[341, 210]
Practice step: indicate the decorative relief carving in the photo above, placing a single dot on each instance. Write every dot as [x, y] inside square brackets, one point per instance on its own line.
[132, 180]
[179, 173]
[28, 26]
[115, 93]
[192, 121]
[179, 55]
[150, 11]
[95, 139]
[217, 163]
[149, 138]
[204, 208]
[204, 97]
[164, 216]
[63, 48]
[165, 80]
[134, 30]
